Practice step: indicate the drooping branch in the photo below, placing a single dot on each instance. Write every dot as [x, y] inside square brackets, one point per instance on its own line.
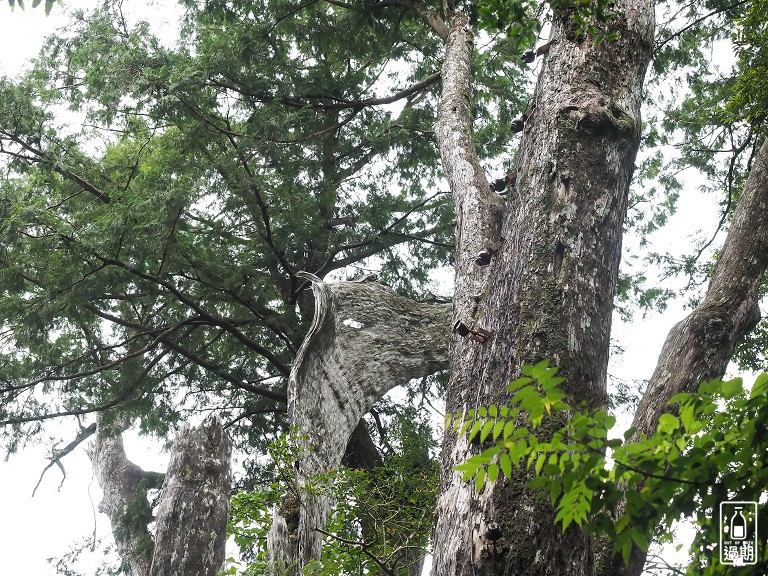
[365, 340]
[58, 453]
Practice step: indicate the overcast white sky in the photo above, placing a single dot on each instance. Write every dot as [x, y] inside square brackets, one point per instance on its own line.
[34, 529]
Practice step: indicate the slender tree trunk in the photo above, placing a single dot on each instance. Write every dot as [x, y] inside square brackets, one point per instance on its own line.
[125, 486]
[550, 288]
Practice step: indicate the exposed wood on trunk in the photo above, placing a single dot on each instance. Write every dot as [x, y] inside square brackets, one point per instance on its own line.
[699, 347]
[551, 285]
[365, 340]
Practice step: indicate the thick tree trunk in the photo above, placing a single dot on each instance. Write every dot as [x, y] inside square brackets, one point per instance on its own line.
[192, 515]
[699, 348]
[550, 288]
[364, 341]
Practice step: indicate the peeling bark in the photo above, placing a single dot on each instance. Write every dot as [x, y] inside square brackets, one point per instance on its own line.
[698, 348]
[550, 288]
[192, 515]
[364, 340]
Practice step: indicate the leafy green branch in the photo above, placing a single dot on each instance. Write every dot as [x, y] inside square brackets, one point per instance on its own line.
[634, 488]
[35, 3]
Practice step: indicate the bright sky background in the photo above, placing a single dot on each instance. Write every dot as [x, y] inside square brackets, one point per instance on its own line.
[34, 529]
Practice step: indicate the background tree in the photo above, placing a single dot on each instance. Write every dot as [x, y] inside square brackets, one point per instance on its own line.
[150, 259]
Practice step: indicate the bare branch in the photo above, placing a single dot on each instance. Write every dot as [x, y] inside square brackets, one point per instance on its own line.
[58, 454]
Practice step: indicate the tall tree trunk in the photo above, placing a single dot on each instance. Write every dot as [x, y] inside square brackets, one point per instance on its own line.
[699, 348]
[192, 516]
[550, 289]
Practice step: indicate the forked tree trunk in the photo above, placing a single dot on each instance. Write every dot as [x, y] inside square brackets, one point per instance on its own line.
[550, 288]
[699, 347]
[192, 516]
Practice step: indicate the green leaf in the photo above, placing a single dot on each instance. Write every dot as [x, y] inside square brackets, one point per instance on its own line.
[687, 416]
[468, 470]
[732, 388]
[480, 479]
[486, 430]
[629, 433]
[506, 465]
[493, 471]
[497, 429]
[475, 429]
[760, 387]
[621, 523]
[554, 490]
[518, 383]
[626, 551]
[640, 540]
[681, 397]
[668, 424]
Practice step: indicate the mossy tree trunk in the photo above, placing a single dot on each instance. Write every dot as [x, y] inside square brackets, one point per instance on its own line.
[548, 293]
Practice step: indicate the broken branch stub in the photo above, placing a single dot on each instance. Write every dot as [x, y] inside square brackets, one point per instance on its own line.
[192, 515]
[365, 339]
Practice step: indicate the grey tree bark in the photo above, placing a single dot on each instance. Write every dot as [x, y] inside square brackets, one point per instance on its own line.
[364, 340]
[549, 291]
[192, 515]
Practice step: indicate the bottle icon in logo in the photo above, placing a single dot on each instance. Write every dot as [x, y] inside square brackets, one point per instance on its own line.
[738, 525]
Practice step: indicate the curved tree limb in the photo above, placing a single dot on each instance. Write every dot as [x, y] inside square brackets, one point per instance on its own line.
[365, 339]
[698, 348]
